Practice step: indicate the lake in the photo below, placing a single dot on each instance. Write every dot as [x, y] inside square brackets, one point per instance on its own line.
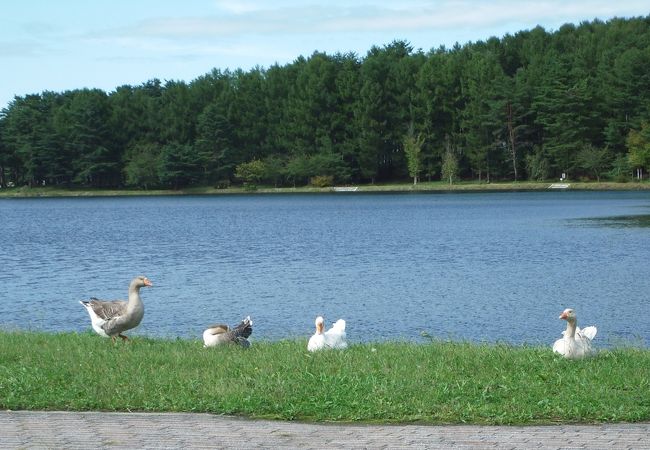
[493, 267]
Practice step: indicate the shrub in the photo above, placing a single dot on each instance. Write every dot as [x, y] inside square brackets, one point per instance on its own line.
[250, 172]
[223, 184]
[322, 181]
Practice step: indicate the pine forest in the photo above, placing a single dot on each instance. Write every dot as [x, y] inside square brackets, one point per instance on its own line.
[534, 105]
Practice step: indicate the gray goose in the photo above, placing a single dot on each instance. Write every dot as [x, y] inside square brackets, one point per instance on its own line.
[112, 318]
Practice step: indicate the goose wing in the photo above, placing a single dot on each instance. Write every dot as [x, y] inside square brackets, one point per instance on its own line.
[560, 346]
[335, 336]
[217, 328]
[107, 310]
[587, 333]
[220, 334]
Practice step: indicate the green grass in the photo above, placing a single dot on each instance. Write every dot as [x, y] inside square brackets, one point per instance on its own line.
[436, 186]
[438, 382]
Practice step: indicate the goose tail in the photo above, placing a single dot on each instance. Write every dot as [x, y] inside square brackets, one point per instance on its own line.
[244, 329]
[339, 326]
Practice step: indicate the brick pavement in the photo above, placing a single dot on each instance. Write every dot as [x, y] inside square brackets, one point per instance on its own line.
[86, 430]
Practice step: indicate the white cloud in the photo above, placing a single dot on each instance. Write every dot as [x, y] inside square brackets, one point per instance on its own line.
[237, 6]
[240, 19]
[21, 48]
[121, 39]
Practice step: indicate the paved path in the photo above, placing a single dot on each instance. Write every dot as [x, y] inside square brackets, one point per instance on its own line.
[86, 430]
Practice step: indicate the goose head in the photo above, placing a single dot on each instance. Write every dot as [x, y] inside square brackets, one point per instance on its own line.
[569, 315]
[141, 281]
[320, 323]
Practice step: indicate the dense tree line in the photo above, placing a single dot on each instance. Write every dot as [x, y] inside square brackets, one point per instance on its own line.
[533, 105]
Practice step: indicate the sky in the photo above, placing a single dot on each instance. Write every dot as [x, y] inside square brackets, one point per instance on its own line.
[59, 45]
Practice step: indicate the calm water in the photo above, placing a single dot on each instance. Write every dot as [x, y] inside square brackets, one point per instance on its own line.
[475, 266]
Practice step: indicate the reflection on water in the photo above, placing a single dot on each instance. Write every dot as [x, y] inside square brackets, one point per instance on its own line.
[628, 221]
[474, 266]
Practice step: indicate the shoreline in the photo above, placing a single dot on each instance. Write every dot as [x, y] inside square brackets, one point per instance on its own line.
[423, 187]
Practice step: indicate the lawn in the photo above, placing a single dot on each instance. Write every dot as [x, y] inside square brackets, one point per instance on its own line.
[436, 382]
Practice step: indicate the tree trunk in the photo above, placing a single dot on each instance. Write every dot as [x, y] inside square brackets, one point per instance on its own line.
[511, 139]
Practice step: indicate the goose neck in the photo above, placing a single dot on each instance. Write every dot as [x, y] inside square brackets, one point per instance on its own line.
[571, 328]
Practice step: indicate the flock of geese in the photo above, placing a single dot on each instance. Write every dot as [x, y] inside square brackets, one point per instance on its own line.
[112, 318]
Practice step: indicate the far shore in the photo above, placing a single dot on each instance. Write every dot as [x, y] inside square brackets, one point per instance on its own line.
[25, 191]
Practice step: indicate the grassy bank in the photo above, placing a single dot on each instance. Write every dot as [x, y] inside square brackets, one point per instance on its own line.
[395, 187]
[387, 382]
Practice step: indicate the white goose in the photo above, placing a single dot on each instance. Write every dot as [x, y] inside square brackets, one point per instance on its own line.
[111, 318]
[218, 334]
[575, 342]
[332, 338]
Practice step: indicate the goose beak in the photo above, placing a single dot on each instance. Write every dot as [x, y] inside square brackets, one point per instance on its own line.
[147, 282]
[564, 315]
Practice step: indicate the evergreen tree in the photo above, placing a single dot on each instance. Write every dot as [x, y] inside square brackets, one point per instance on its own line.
[31, 142]
[215, 145]
[84, 125]
[142, 162]
[177, 166]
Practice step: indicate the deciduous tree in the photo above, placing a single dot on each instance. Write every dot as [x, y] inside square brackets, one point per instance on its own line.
[413, 151]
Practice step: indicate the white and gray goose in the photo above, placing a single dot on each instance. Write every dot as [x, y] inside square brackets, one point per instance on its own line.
[110, 318]
[219, 334]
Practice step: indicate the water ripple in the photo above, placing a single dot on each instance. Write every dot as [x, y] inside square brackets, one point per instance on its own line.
[483, 267]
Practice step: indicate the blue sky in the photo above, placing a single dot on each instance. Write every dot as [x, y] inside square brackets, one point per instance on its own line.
[67, 44]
